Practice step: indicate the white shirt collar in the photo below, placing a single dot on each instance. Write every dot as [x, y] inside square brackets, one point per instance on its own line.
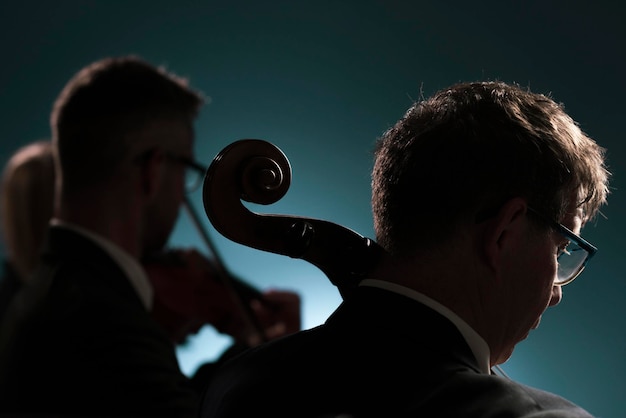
[132, 269]
[477, 344]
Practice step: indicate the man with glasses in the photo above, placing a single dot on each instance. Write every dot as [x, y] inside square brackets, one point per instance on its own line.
[81, 340]
[479, 194]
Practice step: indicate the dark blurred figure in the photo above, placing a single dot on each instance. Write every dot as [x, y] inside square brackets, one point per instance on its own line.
[188, 289]
[80, 339]
[479, 194]
[26, 209]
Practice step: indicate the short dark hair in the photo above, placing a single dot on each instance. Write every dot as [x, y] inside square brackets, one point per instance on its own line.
[104, 103]
[472, 146]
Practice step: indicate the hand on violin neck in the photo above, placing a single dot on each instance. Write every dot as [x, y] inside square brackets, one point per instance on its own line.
[280, 311]
[277, 313]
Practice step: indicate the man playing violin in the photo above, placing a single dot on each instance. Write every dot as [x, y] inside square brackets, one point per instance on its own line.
[479, 194]
[81, 339]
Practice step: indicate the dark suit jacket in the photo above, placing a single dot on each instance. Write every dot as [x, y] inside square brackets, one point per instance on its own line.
[379, 355]
[79, 341]
[10, 284]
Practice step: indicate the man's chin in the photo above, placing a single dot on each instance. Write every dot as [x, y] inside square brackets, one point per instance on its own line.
[536, 324]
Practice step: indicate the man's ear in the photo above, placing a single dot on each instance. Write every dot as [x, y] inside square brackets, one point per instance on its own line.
[503, 232]
[152, 172]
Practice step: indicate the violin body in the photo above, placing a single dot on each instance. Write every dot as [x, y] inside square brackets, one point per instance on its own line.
[189, 293]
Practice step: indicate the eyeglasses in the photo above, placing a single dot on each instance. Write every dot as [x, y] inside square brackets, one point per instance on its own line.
[573, 258]
[194, 172]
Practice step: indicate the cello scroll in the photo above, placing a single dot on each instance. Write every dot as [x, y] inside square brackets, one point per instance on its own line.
[256, 171]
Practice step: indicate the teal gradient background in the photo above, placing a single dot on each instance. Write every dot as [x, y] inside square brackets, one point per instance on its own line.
[322, 80]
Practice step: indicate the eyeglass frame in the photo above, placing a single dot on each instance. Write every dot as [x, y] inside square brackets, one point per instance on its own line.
[189, 163]
[560, 228]
[569, 234]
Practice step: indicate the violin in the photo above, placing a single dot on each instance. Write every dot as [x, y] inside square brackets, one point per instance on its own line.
[188, 294]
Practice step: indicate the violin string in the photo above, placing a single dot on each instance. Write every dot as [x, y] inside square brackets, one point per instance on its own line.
[225, 277]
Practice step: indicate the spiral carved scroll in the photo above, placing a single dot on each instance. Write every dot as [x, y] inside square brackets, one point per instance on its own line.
[256, 171]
